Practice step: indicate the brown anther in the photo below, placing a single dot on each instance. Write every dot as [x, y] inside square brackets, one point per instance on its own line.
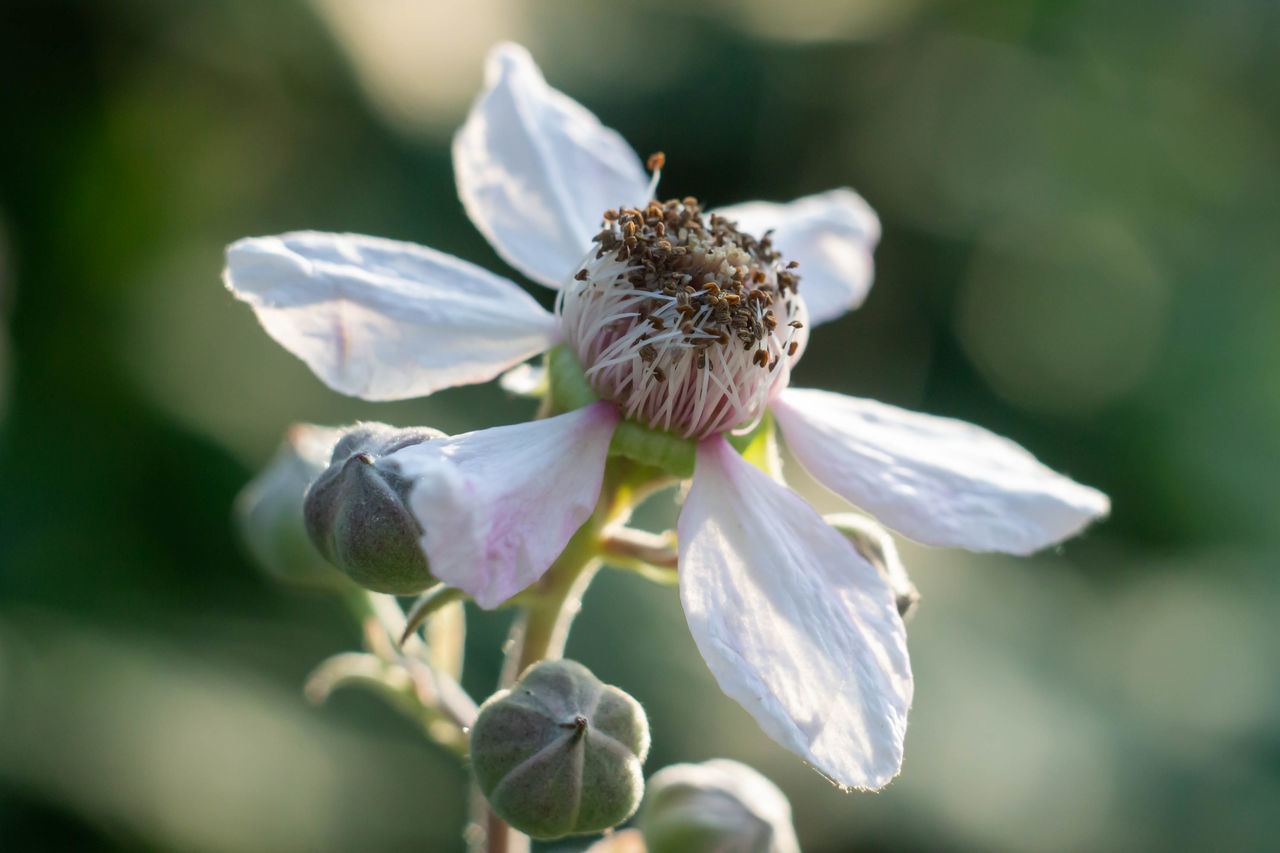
[710, 284]
[656, 161]
[793, 264]
[796, 324]
[791, 349]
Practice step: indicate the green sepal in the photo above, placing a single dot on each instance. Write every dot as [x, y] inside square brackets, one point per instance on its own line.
[656, 448]
[569, 387]
[760, 446]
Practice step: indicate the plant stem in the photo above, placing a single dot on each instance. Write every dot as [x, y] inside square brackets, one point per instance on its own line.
[549, 607]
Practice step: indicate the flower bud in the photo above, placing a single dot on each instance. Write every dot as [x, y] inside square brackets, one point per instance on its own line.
[357, 515]
[715, 807]
[268, 511]
[560, 752]
[875, 544]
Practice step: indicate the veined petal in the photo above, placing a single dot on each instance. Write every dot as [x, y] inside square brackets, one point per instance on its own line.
[937, 480]
[499, 505]
[536, 170]
[794, 624]
[831, 235]
[385, 320]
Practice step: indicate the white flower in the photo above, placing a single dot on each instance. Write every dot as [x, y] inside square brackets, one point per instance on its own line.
[793, 623]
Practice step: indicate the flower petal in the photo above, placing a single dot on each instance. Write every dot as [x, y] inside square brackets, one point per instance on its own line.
[794, 624]
[385, 320]
[499, 505]
[937, 480]
[536, 170]
[831, 235]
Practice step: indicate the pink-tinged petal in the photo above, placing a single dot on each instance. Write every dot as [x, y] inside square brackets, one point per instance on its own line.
[385, 320]
[937, 480]
[536, 170]
[794, 624]
[831, 235]
[499, 505]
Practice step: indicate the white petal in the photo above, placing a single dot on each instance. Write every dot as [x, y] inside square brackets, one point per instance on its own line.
[793, 623]
[385, 320]
[831, 235]
[499, 505]
[937, 480]
[536, 170]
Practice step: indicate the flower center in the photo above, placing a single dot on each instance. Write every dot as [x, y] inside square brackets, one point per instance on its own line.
[686, 322]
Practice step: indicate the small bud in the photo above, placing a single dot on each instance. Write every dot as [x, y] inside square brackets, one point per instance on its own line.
[268, 511]
[715, 806]
[875, 544]
[357, 516]
[560, 752]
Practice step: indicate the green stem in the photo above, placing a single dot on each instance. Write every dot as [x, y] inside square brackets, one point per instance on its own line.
[651, 555]
[548, 609]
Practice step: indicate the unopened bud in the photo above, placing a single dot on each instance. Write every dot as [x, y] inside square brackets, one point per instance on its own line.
[357, 515]
[714, 807]
[875, 544]
[560, 753]
[268, 510]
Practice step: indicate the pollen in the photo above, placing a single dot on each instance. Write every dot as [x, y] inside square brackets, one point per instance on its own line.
[688, 323]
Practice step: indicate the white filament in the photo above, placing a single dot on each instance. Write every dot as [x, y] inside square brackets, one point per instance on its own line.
[602, 319]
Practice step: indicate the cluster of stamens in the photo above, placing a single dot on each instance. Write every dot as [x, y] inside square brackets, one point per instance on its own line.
[682, 319]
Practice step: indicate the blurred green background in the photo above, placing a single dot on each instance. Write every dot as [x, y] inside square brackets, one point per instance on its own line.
[1081, 207]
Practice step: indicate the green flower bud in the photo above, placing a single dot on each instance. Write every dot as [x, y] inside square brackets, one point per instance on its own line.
[718, 806]
[875, 544]
[268, 511]
[357, 515]
[560, 752]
